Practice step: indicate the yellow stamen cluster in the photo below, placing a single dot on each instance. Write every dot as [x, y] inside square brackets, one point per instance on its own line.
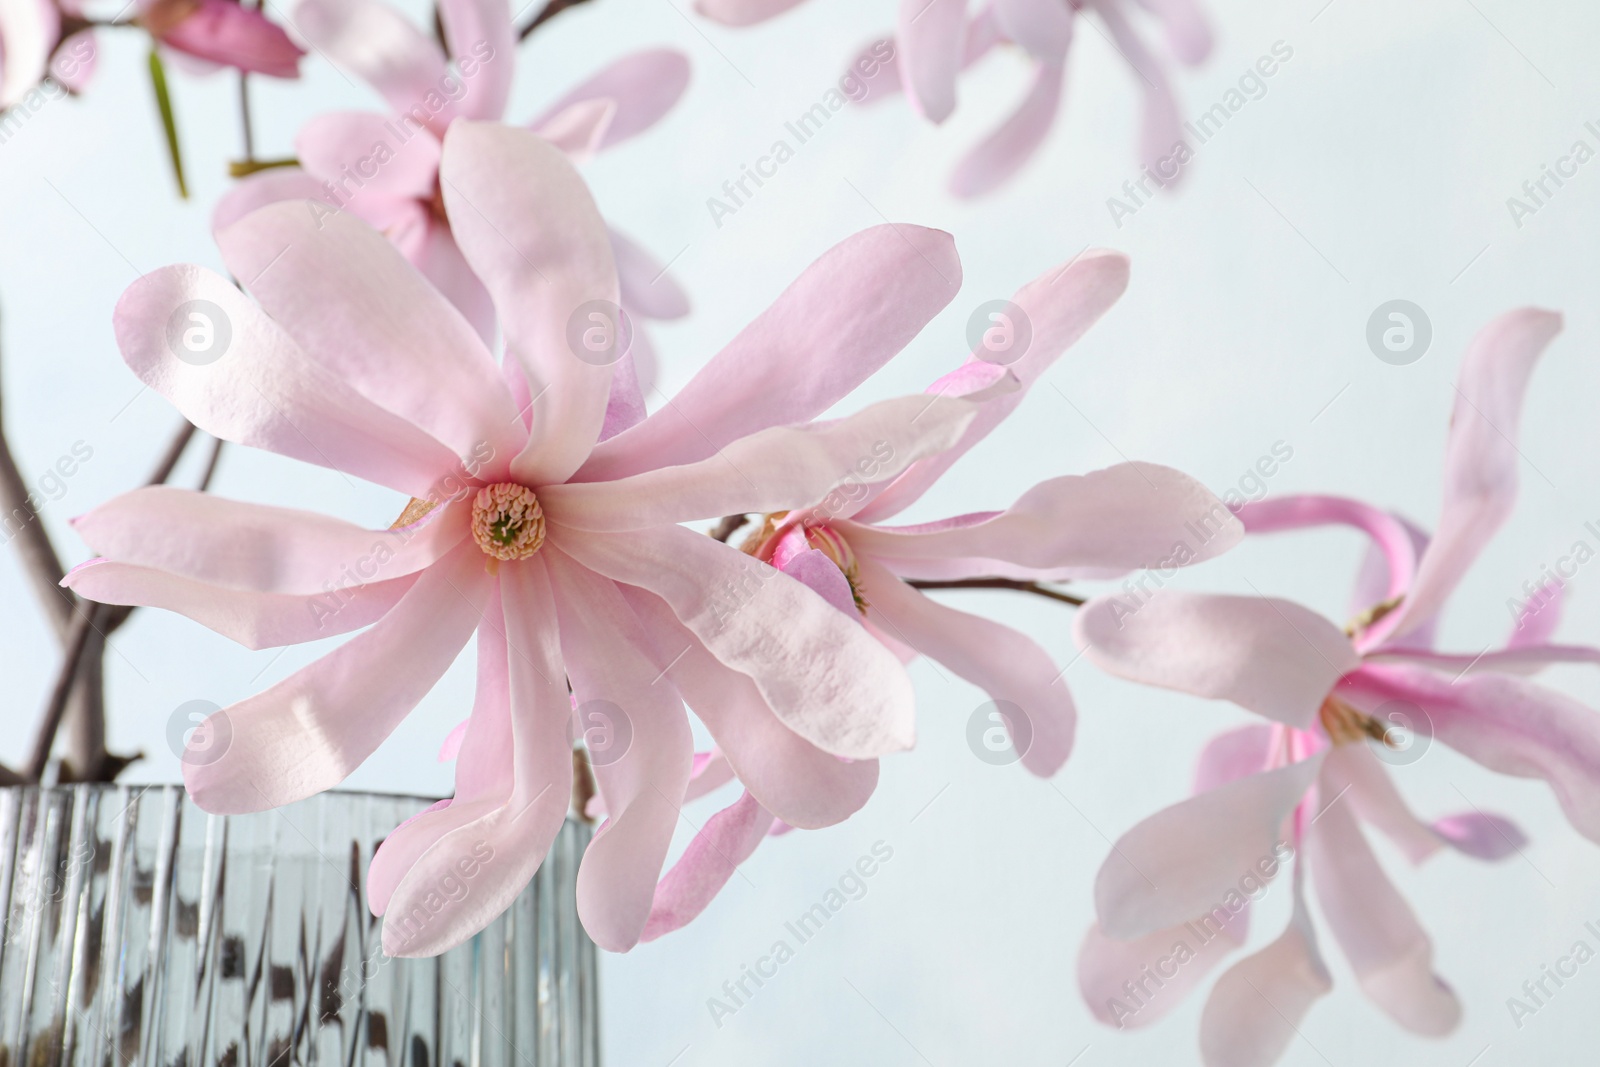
[1345, 724]
[507, 522]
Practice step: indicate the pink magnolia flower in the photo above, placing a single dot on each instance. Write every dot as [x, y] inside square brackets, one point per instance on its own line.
[224, 33]
[541, 525]
[1173, 897]
[1098, 525]
[384, 168]
[935, 40]
[36, 41]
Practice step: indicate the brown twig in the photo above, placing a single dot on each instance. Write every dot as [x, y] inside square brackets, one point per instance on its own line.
[551, 9]
[729, 526]
[999, 583]
[83, 624]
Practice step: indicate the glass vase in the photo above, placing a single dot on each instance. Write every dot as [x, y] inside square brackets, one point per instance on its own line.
[139, 931]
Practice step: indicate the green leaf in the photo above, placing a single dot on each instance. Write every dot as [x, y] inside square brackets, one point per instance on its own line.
[169, 122]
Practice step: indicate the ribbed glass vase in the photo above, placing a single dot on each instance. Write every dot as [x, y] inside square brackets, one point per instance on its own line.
[141, 932]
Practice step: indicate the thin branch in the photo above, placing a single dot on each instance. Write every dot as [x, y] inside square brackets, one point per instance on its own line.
[39, 556]
[551, 9]
[728, 527]
[169, 459]
[211, 465]
[246, 124]
[1000, 583]
[83, 624]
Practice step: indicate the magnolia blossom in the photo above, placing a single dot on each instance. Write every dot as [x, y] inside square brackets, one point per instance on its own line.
[1098, 525]
[384, 168]
[222, 33]
[1173, 897]
[543, 518]
[935, 40]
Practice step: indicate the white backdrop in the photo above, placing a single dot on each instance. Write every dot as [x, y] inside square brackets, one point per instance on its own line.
[1376, 167]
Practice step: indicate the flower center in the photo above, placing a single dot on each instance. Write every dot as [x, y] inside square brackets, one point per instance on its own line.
[507, 521]
[1345, 724]
[767, 544]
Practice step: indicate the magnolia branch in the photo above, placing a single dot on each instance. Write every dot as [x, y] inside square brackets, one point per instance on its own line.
[551, 9]
[1012, 584]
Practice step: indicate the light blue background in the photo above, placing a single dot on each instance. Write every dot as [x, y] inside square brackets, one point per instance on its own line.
[1376, 167]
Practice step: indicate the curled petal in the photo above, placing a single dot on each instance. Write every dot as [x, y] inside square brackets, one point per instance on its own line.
[1005, 151]
[1270, 656]
[1481, 458]
[728, 839]
[1186, 860]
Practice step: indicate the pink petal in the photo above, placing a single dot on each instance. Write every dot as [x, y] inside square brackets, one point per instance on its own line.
[75, 60]
[1270, 656]
[259, 548]
[1044, 29]
[484, 775]
[1388, 950]
[309, 731]
[647, 291]
[602, 642]
[1523, 659]
[1128, 516]
[363, 153]
[841, 320]
[442, 264]
[450, 748]
[1539, 616]
[822, 576]
[509, 841]
[1389, 533]
[1377, 581]
[930, 34]
[1354, 772]
[822, 674]
[1131, 984]
[263, 188]
[728, 839]
[874, 73]
[233, 35]
[526, 223]
[711, 771]
[1508, 725]
[483, 45]
[350, 300]
[643, 86]
[1005, 151]
[262, 390]
[780, 469]
[625, 406]
[793, 779]
[1482, 835]
[1007, 665]
[579, 129]
[1188, 859]
[742, 12]
[1255, 1008]
[1060, 305]
[379, 45]
[1481, 459]
[255, 620]
[1234, 755]
[1161, 131]
[1188, 34]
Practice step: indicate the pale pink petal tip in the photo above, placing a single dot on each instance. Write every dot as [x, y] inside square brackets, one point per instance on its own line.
[1482, 836]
